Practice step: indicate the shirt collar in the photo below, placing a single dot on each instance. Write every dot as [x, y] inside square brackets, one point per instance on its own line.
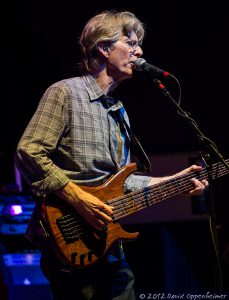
[93, 89]
[95, 92]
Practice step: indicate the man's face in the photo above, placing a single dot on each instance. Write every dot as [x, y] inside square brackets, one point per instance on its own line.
[122, 54]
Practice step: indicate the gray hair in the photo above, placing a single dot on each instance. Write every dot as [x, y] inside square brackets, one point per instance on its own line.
[107, 27]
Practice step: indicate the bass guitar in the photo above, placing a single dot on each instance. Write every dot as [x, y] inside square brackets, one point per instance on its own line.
[78, 245]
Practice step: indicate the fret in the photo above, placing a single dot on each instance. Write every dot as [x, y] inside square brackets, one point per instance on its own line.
[80, 244]
[161, 191]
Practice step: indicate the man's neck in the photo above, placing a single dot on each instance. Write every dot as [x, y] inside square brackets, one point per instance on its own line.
[106, 83]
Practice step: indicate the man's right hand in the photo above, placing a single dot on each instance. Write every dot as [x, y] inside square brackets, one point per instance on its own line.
[93, 210]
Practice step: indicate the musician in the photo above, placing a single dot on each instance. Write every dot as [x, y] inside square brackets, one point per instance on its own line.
[78, 137]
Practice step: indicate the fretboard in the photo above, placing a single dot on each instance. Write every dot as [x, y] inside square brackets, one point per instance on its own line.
[135, 201]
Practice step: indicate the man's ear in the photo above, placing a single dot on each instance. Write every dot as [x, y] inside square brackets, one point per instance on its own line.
[103, 48]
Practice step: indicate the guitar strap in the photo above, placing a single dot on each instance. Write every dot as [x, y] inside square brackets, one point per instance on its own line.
[141, 157]
[137, 150]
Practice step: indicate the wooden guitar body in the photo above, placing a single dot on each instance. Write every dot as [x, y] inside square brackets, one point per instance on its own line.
[77, 243]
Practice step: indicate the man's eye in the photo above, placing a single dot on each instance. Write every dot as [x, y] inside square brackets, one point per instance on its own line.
[131, 43]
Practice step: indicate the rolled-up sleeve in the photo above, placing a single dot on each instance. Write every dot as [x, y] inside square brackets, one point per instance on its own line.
[39, 141]
[136, 182]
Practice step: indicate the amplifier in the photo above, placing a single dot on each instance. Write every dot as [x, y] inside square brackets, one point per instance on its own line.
[13, 229]
[15, 213]
[21, 277]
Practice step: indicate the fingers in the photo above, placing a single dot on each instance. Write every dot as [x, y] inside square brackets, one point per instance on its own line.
[199, 186]
[205, 183]
[106, 209]
[103, 216]
[94, 211]
[98, 224]
[193, 168]
[95, 217]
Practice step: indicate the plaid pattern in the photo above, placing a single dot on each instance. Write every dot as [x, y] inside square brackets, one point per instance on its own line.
[73, 135]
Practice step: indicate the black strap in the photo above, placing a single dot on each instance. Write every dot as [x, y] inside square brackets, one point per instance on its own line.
[143, 161]
[137, 150]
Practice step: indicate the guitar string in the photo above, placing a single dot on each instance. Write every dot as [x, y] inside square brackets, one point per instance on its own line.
[142, 200]
[180, 186]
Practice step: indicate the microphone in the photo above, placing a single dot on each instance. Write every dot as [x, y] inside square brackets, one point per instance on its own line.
[142, 65]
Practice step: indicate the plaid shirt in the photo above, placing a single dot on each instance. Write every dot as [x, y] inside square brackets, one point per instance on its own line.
[73, 135]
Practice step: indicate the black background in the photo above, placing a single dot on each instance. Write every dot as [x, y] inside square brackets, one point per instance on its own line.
[188, 39]
[39, 43]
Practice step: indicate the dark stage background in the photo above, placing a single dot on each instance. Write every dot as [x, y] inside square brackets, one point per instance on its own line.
[187, 38]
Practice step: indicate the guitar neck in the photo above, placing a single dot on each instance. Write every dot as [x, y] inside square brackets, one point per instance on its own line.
[138, 200]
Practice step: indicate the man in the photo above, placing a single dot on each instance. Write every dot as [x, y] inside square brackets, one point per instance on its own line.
[80, 136]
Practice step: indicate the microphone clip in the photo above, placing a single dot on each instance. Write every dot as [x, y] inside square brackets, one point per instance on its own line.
[161, 86]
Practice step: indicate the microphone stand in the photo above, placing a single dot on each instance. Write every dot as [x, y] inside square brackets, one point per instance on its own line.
[211, 148]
